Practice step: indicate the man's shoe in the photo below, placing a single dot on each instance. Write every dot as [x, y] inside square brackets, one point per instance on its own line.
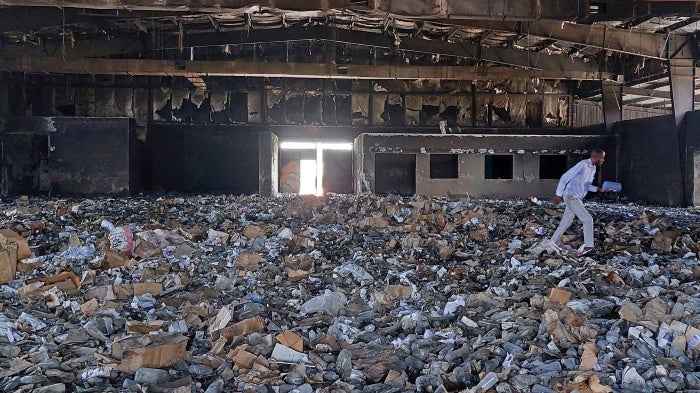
[583, 251]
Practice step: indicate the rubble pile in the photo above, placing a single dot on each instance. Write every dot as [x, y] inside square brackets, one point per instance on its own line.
[343, 294]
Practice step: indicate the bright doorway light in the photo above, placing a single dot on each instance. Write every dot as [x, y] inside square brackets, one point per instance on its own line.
[315, 145]
[307, 177]
[311, 171]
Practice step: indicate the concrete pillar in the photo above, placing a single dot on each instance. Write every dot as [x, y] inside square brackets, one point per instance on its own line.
[612, 103]
[268, 167]
[682, 76]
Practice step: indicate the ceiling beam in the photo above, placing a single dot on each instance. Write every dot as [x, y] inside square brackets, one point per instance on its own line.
[628, 41]
[496, 55]
[29, 19]
[279, 70]
[107, 46]
[457, 9]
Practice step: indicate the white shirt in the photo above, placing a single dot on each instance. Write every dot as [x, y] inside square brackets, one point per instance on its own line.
[578, 181]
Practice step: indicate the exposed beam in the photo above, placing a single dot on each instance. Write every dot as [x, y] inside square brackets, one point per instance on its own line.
[279, 70]
[678, 25]
[505, 56]
[629, 41]
[28, 19]
[457, 9]
[73, 50]
[638, 91]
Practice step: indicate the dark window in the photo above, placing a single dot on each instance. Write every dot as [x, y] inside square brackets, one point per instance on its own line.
[395, 173]
[552, 166]
[444, 166]
[498, 167]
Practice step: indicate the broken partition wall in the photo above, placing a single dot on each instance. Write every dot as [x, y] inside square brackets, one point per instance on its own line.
[500, 166]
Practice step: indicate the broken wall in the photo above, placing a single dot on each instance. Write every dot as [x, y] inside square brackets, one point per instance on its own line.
[189, 158]
[471, 152]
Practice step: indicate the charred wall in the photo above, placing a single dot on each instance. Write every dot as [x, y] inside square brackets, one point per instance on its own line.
[189, 158]
[532, 103]
[71, 156]
[514, 172]
[691, 134]
[650, 166]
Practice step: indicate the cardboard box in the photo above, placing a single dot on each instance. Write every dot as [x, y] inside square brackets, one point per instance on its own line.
[8, 263]
[153, 350]
[14, 238]
[244, 327]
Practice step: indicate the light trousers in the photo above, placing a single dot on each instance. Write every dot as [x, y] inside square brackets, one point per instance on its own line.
[574, 207]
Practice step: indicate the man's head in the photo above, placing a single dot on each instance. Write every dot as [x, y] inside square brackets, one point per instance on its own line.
[597, 156]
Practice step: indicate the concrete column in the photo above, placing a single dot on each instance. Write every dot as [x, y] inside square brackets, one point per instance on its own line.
[612, 103]
[682, 76]
[268, 163]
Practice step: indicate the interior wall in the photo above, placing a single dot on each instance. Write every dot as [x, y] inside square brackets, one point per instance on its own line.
[71, 156]
[650, 163]
[337, 171]
[191, 158]
[471, 151]
[691, 134]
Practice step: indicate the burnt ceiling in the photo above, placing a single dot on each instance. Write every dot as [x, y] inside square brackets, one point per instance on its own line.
[629, 41]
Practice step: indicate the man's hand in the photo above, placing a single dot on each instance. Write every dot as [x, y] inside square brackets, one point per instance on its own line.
[600, 189]
[558, 199]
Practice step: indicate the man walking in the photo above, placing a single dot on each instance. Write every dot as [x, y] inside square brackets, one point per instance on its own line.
[572, 188]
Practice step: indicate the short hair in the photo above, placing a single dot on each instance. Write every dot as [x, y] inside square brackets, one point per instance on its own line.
[597, 151]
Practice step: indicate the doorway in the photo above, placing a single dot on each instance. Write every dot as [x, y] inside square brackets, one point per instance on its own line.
[315, 168]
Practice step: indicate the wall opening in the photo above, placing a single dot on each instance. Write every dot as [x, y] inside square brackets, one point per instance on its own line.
[307, 177]
[552, 166]
[444, 166]
[498, 166]
[395, 173]
[315, 168]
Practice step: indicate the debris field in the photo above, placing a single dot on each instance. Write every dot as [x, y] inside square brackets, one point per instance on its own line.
[344, 294]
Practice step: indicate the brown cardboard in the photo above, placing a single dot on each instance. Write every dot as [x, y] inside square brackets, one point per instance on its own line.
[8, 264]
[241, 357]
[252, 231]
[589, 358]
[296, 275]
[113, 259]
[144, 327]
[65, 281]
[244, 327]
[291, 340]
[14, 238]
[559, 295]
[153, 350]
[399, 291]
[248, 260]
[154, 288]
[90, 307]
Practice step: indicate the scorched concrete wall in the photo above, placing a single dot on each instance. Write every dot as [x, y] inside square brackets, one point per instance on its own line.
[471, 151]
